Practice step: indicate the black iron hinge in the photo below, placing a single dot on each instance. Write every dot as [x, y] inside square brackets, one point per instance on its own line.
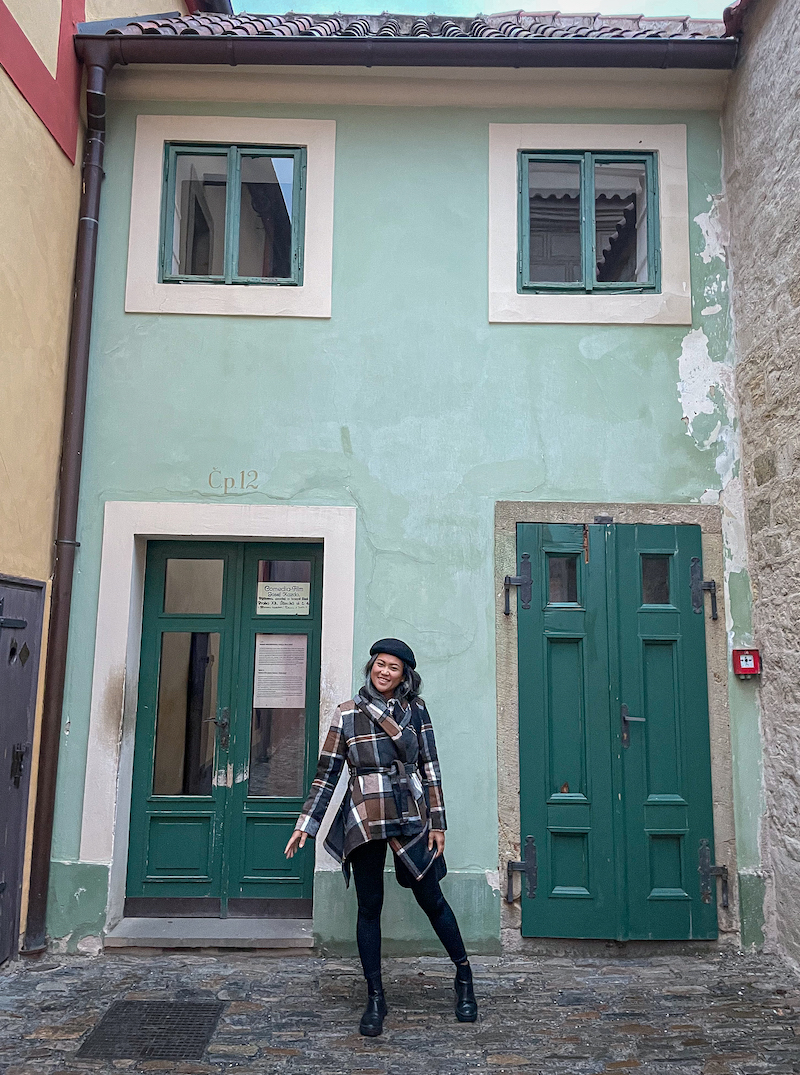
[523, 580]
[528, 866]
[707, 872]
[698, 586]
[18, 752]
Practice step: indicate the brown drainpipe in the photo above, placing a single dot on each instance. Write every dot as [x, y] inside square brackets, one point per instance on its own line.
[68, 489]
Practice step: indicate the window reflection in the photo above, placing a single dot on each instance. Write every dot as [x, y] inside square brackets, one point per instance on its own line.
[655, 580]
[265, 217]
[277, 752]
[620, 213]
[198, 234]
[187, 706]
[193, 587]
[562, 580]
[555, 222]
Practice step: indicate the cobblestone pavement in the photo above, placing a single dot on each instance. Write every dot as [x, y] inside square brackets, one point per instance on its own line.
[665, 1015]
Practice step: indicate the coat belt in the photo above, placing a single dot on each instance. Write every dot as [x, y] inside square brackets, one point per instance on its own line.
[398, 773]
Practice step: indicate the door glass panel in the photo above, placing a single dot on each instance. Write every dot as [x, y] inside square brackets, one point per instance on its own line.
[620, 213]
[554, 195]
[277, 737]
[265, 217]
[187, 706]
[655, 580]
[284, 587]
[562, 580]
[198, 236]
[194, 587]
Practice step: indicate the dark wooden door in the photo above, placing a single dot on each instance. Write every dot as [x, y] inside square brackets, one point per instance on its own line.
[21, 610]
[615, 759]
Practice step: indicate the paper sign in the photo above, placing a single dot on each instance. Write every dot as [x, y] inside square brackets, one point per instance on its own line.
[283, 598]
[280, 675]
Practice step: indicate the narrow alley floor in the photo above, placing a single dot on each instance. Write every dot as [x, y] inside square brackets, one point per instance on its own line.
[716, 1014]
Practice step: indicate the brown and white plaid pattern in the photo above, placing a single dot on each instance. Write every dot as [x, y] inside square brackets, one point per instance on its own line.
[395, 787]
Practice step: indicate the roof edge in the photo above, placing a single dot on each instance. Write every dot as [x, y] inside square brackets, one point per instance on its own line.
[705, 53]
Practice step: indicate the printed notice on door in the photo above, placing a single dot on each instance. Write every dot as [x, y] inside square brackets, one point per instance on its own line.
[280, 676]
[283, 598]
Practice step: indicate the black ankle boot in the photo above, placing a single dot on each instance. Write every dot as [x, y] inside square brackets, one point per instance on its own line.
[466, 1005]
[372, 1020]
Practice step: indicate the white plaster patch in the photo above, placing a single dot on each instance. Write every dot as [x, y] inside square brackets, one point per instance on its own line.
[715, 231]
[706, 387]
[493, 880]
[710, 310]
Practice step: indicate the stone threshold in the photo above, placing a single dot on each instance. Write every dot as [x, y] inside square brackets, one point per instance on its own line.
[211, 933]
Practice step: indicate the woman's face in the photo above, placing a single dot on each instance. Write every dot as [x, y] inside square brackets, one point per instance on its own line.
[386, 674]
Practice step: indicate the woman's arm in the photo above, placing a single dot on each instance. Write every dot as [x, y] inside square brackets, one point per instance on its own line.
[431, 775]
[331, 762]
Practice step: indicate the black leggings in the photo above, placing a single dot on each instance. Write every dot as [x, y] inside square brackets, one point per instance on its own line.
[368, 861]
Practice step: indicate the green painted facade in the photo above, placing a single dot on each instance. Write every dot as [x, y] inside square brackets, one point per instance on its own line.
[410, 405]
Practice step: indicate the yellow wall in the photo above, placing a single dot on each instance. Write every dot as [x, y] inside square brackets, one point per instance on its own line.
[118, 9]
[38, 223]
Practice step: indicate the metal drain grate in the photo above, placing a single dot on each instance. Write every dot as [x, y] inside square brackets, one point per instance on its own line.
[153, 1030]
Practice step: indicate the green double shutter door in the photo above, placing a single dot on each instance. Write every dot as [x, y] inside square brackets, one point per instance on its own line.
[227, 721]
[618, 808]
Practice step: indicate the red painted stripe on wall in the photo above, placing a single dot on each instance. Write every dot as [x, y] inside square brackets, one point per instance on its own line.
[54, 100]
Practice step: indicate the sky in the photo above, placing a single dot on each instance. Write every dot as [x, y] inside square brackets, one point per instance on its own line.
[698, 9]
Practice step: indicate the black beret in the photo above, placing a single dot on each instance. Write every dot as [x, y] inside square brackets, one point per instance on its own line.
[395, 648]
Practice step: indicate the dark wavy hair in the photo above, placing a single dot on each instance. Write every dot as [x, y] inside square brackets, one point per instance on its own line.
[409, 687]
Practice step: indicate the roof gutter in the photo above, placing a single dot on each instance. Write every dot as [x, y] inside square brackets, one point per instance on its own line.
[108, 51]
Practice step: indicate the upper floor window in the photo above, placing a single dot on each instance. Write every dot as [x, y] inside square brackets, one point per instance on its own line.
[588, 222]
[232, 214]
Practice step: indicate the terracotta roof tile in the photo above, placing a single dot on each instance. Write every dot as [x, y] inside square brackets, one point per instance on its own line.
[510, 24]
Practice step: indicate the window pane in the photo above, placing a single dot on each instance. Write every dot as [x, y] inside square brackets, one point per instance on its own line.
[194, 587]
[284, 587]
[187, 705]
[620, 210]
[198, 237]
[555, 222]
[655, 580]
[265, 218]
[277, 735]
[563, 580]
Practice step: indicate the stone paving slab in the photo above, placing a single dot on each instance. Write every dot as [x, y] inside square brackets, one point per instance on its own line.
[715, 1014]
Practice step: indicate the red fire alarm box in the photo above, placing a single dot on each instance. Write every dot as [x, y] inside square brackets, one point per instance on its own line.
[746, 663]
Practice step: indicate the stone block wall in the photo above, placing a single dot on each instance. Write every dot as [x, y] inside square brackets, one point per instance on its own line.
[762, 173]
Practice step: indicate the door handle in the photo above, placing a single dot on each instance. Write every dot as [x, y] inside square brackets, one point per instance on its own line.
[626, 719]
[223, 723]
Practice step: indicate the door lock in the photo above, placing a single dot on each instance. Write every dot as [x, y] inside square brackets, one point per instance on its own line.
[223, 723]
[626, 718]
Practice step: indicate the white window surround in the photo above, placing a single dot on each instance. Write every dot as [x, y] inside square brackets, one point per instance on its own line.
[672, 306]
[115, 676]
[144, 293]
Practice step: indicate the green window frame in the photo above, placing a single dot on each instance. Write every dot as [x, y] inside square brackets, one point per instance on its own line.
[589, 284]
[233, 154]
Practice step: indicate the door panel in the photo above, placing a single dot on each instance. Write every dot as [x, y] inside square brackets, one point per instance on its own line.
[564, 751]
[617, 807]
[21, 611]
[666, 789]
[218, 780]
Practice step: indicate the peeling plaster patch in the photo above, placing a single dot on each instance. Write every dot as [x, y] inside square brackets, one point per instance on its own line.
[706, 387]
[709, 310]
[493, 880]
[242, 774]
[714, 227]
[710, 496]
[90, 946]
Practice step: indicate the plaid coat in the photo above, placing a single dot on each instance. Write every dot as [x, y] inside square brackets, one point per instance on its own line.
[395, 787]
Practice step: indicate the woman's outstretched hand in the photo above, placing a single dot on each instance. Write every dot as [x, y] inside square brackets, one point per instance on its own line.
[296, 840]
[435, 836]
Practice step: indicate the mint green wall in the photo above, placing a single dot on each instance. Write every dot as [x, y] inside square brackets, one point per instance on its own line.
[407, 403]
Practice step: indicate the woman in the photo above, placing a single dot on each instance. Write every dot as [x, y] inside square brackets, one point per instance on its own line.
[394, 797]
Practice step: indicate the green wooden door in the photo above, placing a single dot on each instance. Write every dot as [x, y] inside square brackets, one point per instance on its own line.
[615, 762]
[226, 729]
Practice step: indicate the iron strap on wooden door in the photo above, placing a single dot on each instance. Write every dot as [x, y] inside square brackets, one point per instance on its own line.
[614, 741]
